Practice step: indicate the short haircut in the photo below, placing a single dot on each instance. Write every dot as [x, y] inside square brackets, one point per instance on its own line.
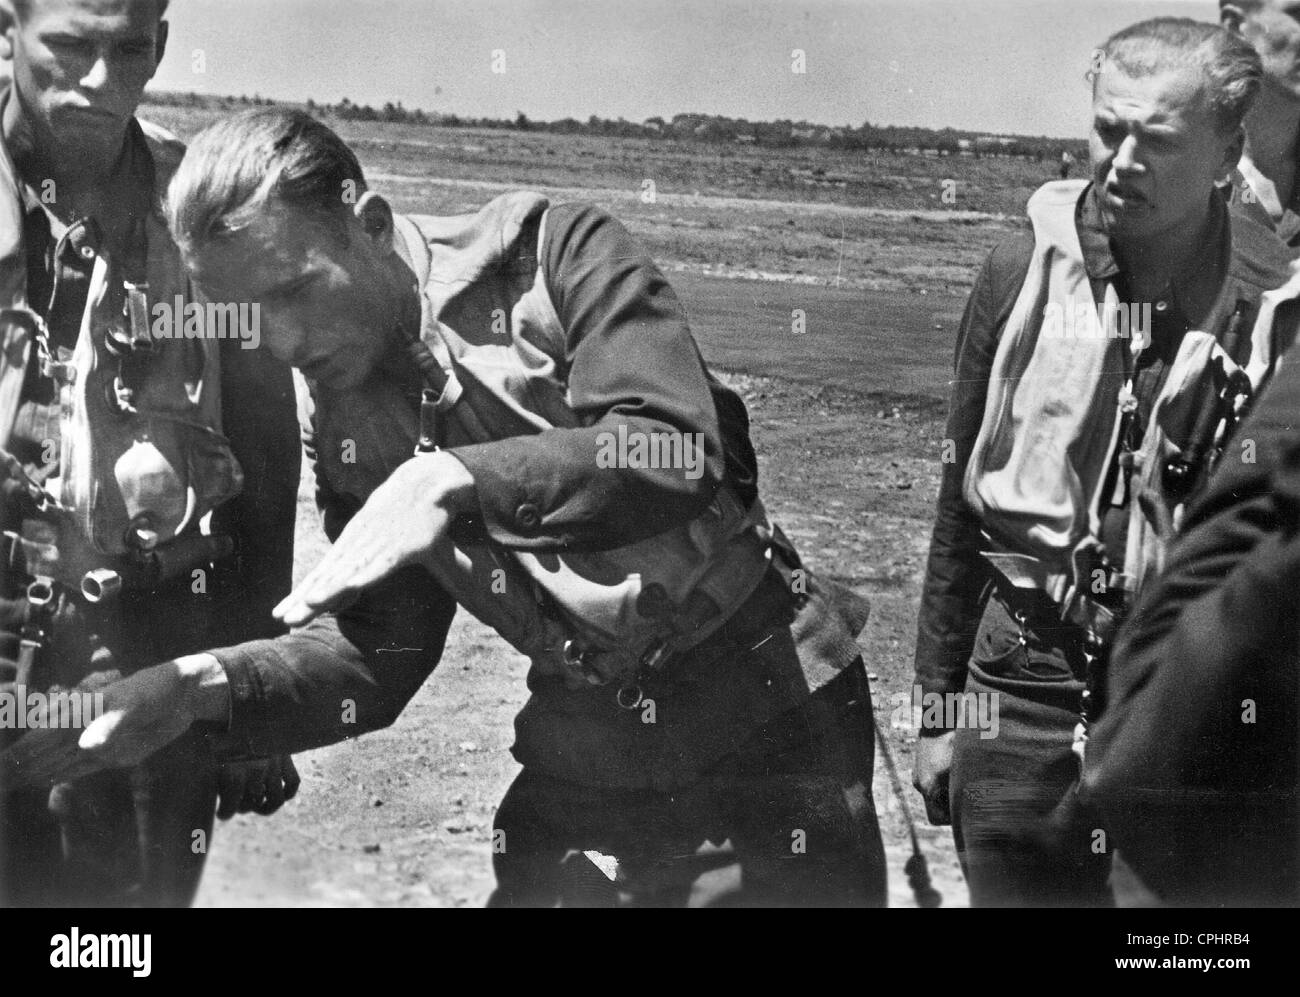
[234, 167]
[21, 7]
[1230, 66]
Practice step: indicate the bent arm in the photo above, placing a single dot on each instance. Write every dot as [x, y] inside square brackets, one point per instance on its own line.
[633, 367]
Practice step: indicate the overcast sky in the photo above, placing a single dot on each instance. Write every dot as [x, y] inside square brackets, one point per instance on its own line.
[994, 65]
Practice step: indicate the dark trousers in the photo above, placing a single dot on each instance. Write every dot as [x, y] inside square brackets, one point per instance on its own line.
[791, 810]
[1022, 838]
[115, 839]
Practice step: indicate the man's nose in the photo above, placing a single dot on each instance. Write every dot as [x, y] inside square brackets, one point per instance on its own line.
[1126, 156]
[287, 339]
[99, 73]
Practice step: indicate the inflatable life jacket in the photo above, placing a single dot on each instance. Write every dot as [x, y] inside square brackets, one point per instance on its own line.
[142, 457]
[1057, 390]
[596, 615]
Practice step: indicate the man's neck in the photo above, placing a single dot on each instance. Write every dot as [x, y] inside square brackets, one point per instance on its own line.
[78, 177]
[1152, 264]
[1273, 139]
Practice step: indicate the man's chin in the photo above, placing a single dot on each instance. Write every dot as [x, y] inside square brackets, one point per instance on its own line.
[89, 138]
[1129, 222]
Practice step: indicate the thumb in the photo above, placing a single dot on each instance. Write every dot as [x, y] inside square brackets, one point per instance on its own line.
[100, 731]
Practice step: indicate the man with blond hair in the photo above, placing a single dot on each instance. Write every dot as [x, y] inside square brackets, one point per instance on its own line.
[1097, 357]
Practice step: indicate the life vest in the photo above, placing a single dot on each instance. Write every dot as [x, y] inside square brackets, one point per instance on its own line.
[1056, 392]
[618, 608]
[142, 457]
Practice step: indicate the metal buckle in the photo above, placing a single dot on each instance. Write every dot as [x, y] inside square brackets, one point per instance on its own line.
[629, 697]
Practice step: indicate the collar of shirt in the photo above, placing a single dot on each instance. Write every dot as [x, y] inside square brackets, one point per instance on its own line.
[1194, 288]
[132, 178]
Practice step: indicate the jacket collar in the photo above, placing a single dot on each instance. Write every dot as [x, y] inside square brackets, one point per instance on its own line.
[1195, 288]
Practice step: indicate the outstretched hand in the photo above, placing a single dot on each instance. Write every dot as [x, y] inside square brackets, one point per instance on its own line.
[140, 714]
[399, 525]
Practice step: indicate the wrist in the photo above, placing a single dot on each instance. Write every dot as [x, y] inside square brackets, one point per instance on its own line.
[207, 689]
[446, 481]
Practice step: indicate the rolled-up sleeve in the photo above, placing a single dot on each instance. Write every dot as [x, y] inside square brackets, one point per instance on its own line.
[634, 373]
[345, 673]
[342, 675]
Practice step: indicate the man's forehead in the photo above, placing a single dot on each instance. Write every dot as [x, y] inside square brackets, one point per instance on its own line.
[274, 248]
[1265, 8]
[1168, 96]
[91, 14]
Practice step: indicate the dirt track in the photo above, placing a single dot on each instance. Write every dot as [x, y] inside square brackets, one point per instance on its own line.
[403, 816]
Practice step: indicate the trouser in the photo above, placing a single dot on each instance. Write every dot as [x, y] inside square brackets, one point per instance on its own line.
[136, 837]
[1021, 835]
[792, 812]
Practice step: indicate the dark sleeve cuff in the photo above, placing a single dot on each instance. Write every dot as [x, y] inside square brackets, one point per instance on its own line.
[247, 714]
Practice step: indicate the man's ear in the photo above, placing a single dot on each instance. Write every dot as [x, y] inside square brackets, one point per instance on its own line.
[160, 46]
[8, 25]
[376, 217]
[1233, 153]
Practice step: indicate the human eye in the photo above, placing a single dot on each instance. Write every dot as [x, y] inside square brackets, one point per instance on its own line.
[137, 49]
[1160, 141]
[1108, 130]
[68, 44]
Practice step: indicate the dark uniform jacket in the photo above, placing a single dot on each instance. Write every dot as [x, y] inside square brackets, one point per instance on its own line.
[1194, 761]
[630, 360]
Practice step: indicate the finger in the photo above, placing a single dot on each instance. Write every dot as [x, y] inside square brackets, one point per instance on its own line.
[37, 756]
[289, 610]
[274, 798]
[296, 613]
[339, 589]
[296, 598]
[339, 576]
[254, 792]
[291, 779]
[297, 609]
[230, 790]
[62, 764]
[98, 737]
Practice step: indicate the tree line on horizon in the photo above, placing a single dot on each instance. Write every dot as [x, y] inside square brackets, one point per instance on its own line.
[704, 128]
